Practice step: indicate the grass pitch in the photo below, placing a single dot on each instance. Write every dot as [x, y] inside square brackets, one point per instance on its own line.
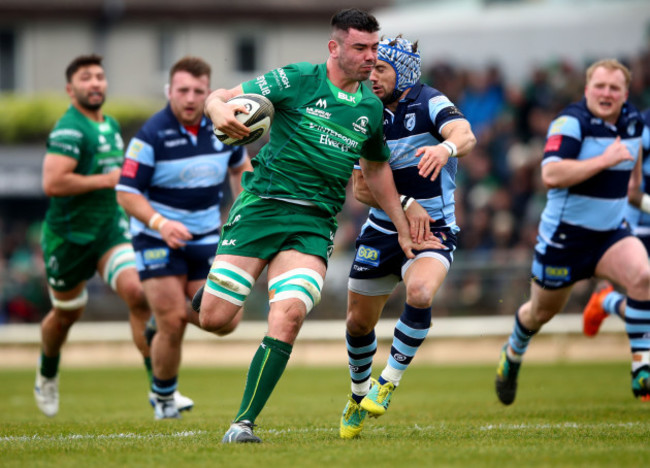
[564, 415]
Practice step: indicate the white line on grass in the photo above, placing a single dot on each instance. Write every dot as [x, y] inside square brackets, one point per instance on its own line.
[121, 435]
[184, 434]
[567, 425]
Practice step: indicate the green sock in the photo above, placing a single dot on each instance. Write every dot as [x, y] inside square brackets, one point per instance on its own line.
[147, 365]
[49, 365]
[265, 371]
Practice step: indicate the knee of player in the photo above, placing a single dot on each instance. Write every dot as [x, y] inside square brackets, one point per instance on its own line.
[229, 327]
[171, 323]
[213, 321]
[135, 299]
[68, 311]
[419, 294]
[67, 317]
[358, 325]
[640, 283]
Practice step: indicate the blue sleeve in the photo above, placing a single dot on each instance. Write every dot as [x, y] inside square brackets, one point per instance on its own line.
[564, 138]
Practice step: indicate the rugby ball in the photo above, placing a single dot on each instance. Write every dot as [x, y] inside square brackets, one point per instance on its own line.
[258, 120]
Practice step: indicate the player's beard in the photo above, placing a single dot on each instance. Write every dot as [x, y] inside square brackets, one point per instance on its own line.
[352, 70]
[85, 102]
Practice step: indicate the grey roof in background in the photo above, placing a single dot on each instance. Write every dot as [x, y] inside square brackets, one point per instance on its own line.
[207, 9]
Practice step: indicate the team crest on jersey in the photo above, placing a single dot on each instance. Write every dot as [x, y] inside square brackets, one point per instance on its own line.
[216, 144]
[631, 127]
[409, 122]
[361, 124]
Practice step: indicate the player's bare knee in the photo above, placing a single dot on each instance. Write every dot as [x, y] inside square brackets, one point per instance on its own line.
[640, 285]
[133, 295]
[214, 321]
[356, 326]
[68, 311]
[286, 319]
[419, 295]
[65, 318]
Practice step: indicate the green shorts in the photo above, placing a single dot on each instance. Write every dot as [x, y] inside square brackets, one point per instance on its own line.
[262, 227]
[67, 263]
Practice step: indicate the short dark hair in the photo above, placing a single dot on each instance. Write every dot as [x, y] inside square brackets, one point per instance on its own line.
[195, 66]
[82, 61]
[355, 19]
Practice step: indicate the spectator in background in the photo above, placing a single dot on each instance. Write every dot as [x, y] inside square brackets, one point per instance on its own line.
[176, 218]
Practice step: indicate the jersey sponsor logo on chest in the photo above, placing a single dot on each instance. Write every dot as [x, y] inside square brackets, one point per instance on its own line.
[175, 143]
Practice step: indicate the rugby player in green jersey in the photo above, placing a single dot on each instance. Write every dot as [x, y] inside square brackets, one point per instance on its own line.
[85, 230]
[325, 120]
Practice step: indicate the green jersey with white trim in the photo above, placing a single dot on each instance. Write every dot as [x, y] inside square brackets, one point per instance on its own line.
[98, 148]
[317, 135]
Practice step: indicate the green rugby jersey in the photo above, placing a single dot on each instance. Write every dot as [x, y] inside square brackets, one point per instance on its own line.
[98, 148]
[318, 133]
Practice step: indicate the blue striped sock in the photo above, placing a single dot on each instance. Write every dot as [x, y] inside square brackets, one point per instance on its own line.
[361, 350]
[164, 388]
[612, 302]
[520, 337]
[637, 324]
[410, 331]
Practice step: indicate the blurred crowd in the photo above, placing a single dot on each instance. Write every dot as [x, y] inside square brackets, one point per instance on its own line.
[499, 197]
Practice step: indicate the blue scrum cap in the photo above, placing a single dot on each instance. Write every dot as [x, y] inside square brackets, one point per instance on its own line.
[404, 57]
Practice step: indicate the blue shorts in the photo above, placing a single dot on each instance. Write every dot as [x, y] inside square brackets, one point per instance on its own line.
[154, 258]
[380, 260]
[555, 268]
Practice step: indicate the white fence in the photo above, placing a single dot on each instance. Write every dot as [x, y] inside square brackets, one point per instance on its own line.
[315, 330]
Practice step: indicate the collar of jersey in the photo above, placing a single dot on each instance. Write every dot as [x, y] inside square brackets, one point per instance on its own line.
[353, 98]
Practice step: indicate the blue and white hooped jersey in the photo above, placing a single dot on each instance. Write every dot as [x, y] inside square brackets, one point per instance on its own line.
[417, 122]
[598, 203]
[638, 220]
[182, 175]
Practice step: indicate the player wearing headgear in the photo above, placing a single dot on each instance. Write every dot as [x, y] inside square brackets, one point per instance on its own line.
[592, 148]
[425, 133]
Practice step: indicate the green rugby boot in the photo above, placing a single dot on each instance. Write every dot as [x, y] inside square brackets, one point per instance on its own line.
[377, 400]
[352, 420]
[506, 379]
